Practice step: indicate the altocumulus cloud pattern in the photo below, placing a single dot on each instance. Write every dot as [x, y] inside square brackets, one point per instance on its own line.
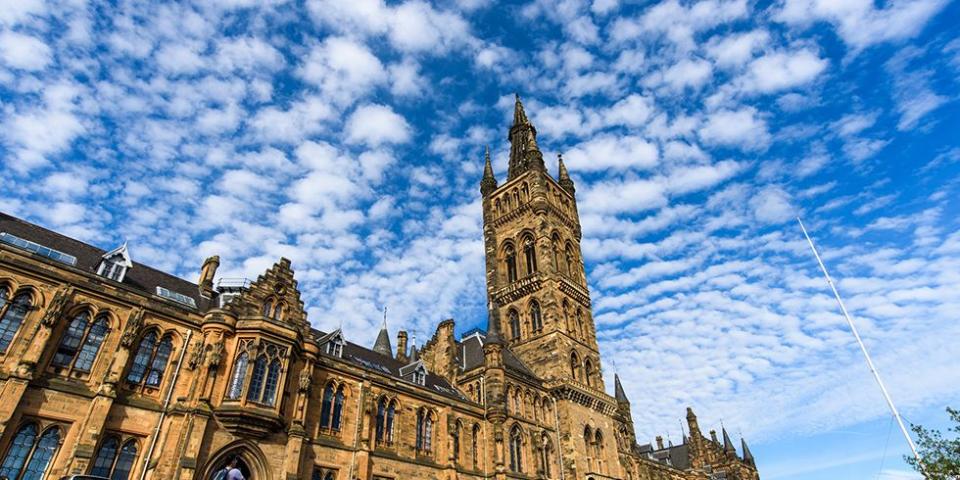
[349, 136]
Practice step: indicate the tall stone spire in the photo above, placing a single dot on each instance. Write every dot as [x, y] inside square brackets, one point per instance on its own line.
[489, 183]
[524, 152]
[727, 443]
[382, 345]
[618, 390]
[747, 456]
[564, 177]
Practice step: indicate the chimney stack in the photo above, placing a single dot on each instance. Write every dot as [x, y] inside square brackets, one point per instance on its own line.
[402, 345]
[659, 442]
[713, 436]
[207, 272]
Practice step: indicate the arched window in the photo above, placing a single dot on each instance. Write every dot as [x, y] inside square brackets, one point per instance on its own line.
[158, 364]
[269, 396]
[588, 372]
[151, 359]
[385, 413]
[424, 431]
[326, 406]
[575, 366]
[239, 376]
[569, 260]
[514, 318]
[510, 256]
[587, 437]
[332, 408]
[13, 314]
[516, 450]
[29, 455]
[580, 323]
[474, 451]
[278, 311]
[455, 437]
[113, 464]
[536, 316]
[530, 255]
[598, 444]
[255, 390]
[547, 452]
[566, 317]
[80, 343]
[267, 307]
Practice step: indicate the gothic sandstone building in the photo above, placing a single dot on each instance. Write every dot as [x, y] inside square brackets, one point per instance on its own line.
[112, 368]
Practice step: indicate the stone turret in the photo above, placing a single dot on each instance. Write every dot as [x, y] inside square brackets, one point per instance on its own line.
[524, 152]
[489, 183]
[563, 177]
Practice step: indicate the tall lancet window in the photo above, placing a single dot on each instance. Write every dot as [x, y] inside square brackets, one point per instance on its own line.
[514, 324]
[510, 255]
[530, 255]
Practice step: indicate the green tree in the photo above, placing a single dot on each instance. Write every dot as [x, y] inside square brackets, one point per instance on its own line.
[940, 456]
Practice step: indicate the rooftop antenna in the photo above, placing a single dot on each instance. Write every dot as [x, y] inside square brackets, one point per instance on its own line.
[863, 348]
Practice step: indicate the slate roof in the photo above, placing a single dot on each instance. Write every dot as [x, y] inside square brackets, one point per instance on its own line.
[387, 365]
[471, 350]
[140, 277]
[678, 456]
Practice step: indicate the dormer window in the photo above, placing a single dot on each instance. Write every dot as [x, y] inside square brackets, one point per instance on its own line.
[115, 263]
[420, 376]
[333, 344]
[415, 372]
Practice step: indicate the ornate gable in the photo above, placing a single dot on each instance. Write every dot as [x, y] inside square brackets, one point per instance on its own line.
[274, 295]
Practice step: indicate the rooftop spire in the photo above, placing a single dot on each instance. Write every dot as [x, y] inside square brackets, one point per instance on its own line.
[519, 116]
[524, 153]
[382, 345]
[493, 326]
[747, 456]
[489, 183]
[618, 389]
[563, 177]
[727, 443]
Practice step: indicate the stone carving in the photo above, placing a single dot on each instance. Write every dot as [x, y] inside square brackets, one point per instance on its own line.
[305, 379]
[196, 353]
[214, 354]
[132, 330]
[57, 305]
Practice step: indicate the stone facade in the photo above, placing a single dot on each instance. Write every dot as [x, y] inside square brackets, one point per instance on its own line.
[112, 368]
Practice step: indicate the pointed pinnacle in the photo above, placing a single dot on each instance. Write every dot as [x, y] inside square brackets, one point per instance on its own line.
[747, 455]
[519, 116]
[618, 389]
[489, 183]
[727, 443]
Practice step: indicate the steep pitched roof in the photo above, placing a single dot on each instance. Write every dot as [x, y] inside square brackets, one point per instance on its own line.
[140, 277]
[471, 348]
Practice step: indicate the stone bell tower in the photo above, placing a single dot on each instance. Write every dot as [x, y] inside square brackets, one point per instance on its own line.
[535, 274]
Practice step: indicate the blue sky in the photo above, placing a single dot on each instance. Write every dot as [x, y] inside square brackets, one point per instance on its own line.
[348, 137]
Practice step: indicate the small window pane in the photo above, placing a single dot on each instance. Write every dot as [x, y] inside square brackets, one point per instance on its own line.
[142, 359]
[159, 364]
[12, 319]
[256, 380]
[17, 455]
[40, 459]
[239, 375]
[273, 379]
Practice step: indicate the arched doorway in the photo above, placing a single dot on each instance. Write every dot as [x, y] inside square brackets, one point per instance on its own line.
[250, 461]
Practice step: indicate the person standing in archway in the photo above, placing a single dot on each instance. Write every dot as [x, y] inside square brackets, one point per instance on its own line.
[233, 471]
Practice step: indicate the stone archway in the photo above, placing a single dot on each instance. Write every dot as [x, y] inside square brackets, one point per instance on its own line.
[251, 462]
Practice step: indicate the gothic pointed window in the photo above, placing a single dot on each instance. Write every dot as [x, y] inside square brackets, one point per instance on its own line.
[598, 444]
[142, 358]
[580, 330]
[269, 396]
[326, 406]
[569, 260]
[381, 420]
[530, 255]
[29, 455]
[516, 450]
[267, 307]
[337, 409]
[80, 342]
[575, 366]
[113, 461]
[588, 372]
[158, 365]
[455, 439]
[391, 412]
[514, 318]
[424, 431]
[536, 316]
[511, 262]
[474, 451]
[547, 452]
[257, 378]
[13, 313]
[239, 375]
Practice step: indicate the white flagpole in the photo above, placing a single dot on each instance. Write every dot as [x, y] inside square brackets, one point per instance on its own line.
[863, 348]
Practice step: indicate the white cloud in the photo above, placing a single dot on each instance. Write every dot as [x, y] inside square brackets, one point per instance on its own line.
[688, 73]
[860, 23]
[343, 69]
[772, 205]
[24, 51]
[782, 70]
[303, 118]
[376, 124]
[612, 152]
[179, 59]
[735, 50]
[741, 128]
